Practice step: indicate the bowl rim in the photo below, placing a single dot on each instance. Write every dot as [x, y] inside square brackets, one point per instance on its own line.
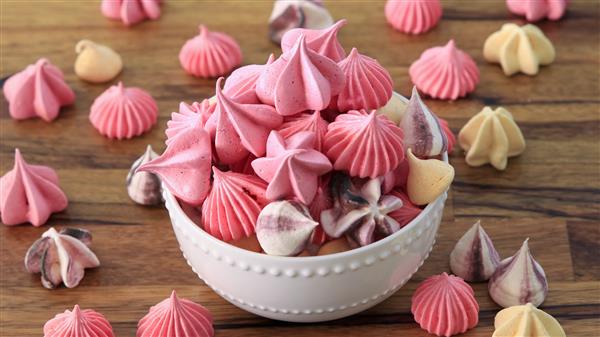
[170, 198]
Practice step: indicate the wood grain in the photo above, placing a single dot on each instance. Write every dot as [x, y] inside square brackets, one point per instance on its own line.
[550, 194]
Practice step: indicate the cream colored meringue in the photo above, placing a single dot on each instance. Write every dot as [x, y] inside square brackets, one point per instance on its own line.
[474, 257]
[518, 280]
[395, 108]
[519, 49]
[491, 136]
[427, 179]
[96, 63]
[526, 321]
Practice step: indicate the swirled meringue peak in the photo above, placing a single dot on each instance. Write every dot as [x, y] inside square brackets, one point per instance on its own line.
[241, 84]
[361, 213]
[445, 72]
[445, 305]
[519, 49]
[37, 91]
[292, 14]
[176, 317]
[423, 132]
[300, 80]
[535, 10]
[131, 12]
[210, 54]
[368, 84]
[239, 129]
[184, 167]
[519, 280]
[322, 41]
[189, 116]
[413, 16]
[233, 205]
[292, 166]
[474, 257]
[526, 321]
[78, 323]
[123, 113]
[305, 122]
[30, 193]
[364, 144]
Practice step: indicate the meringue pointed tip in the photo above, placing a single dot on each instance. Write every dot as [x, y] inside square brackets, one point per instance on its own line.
[340, 23]
[76, 310]
[173, 296]
[202, 30]
[451, 43]
[353, 52]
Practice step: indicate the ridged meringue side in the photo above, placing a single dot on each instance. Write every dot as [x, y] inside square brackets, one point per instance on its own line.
[210, 54]
[290, 14]
[39, 90]
[445, 72]
[423, 133]
[491, 136]
[322, 41]
[292, 167]
[413, 16]
[519, 49]
[364, 144]
[445, 305]
[305, 122]
[427, 178]
[474, 257]
[518, 280]
[78, 323]
[535, 10]
[241, 84]
[184, 167]
[368, 84]
[284, 228]
[188, 117]
[131, 12]
[526, 321]
[233, 205]
[123, 113]
[300, 80]
[144, 187]
[238, 129]
[30, 193]
[176, 317]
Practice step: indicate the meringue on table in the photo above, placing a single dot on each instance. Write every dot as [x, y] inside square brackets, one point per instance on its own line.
[78, 323]
[474, 257]
[526, 321]
[96, 63]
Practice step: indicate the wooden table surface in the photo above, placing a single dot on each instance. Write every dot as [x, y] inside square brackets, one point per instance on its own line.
[549, 194]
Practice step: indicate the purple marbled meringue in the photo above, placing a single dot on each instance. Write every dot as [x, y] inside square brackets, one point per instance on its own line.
[518, 280]
[284, 228]
[422, 130]
[474, 257]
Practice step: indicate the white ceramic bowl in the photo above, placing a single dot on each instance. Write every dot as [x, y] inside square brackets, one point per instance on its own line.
[307, 289]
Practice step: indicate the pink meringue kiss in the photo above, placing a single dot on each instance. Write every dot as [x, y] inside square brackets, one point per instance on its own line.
[322, 41]
[188, 117]
[445, 305]
[131, 12]
[413, 16]
[445, 72]
[239, 129]
[535, 10]
[364, 144]
[37, 91]
[300, 80]
[405, 214]
[210, 54]
[241, 84]
[176, 317]
[30, 193]
[305, 122]
[184, 167]
[233, 205]
[292, 167]
[368, 84]
[123, 113]
[78, 323]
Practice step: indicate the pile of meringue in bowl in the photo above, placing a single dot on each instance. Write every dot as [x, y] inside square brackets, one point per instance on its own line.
[332, 185]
